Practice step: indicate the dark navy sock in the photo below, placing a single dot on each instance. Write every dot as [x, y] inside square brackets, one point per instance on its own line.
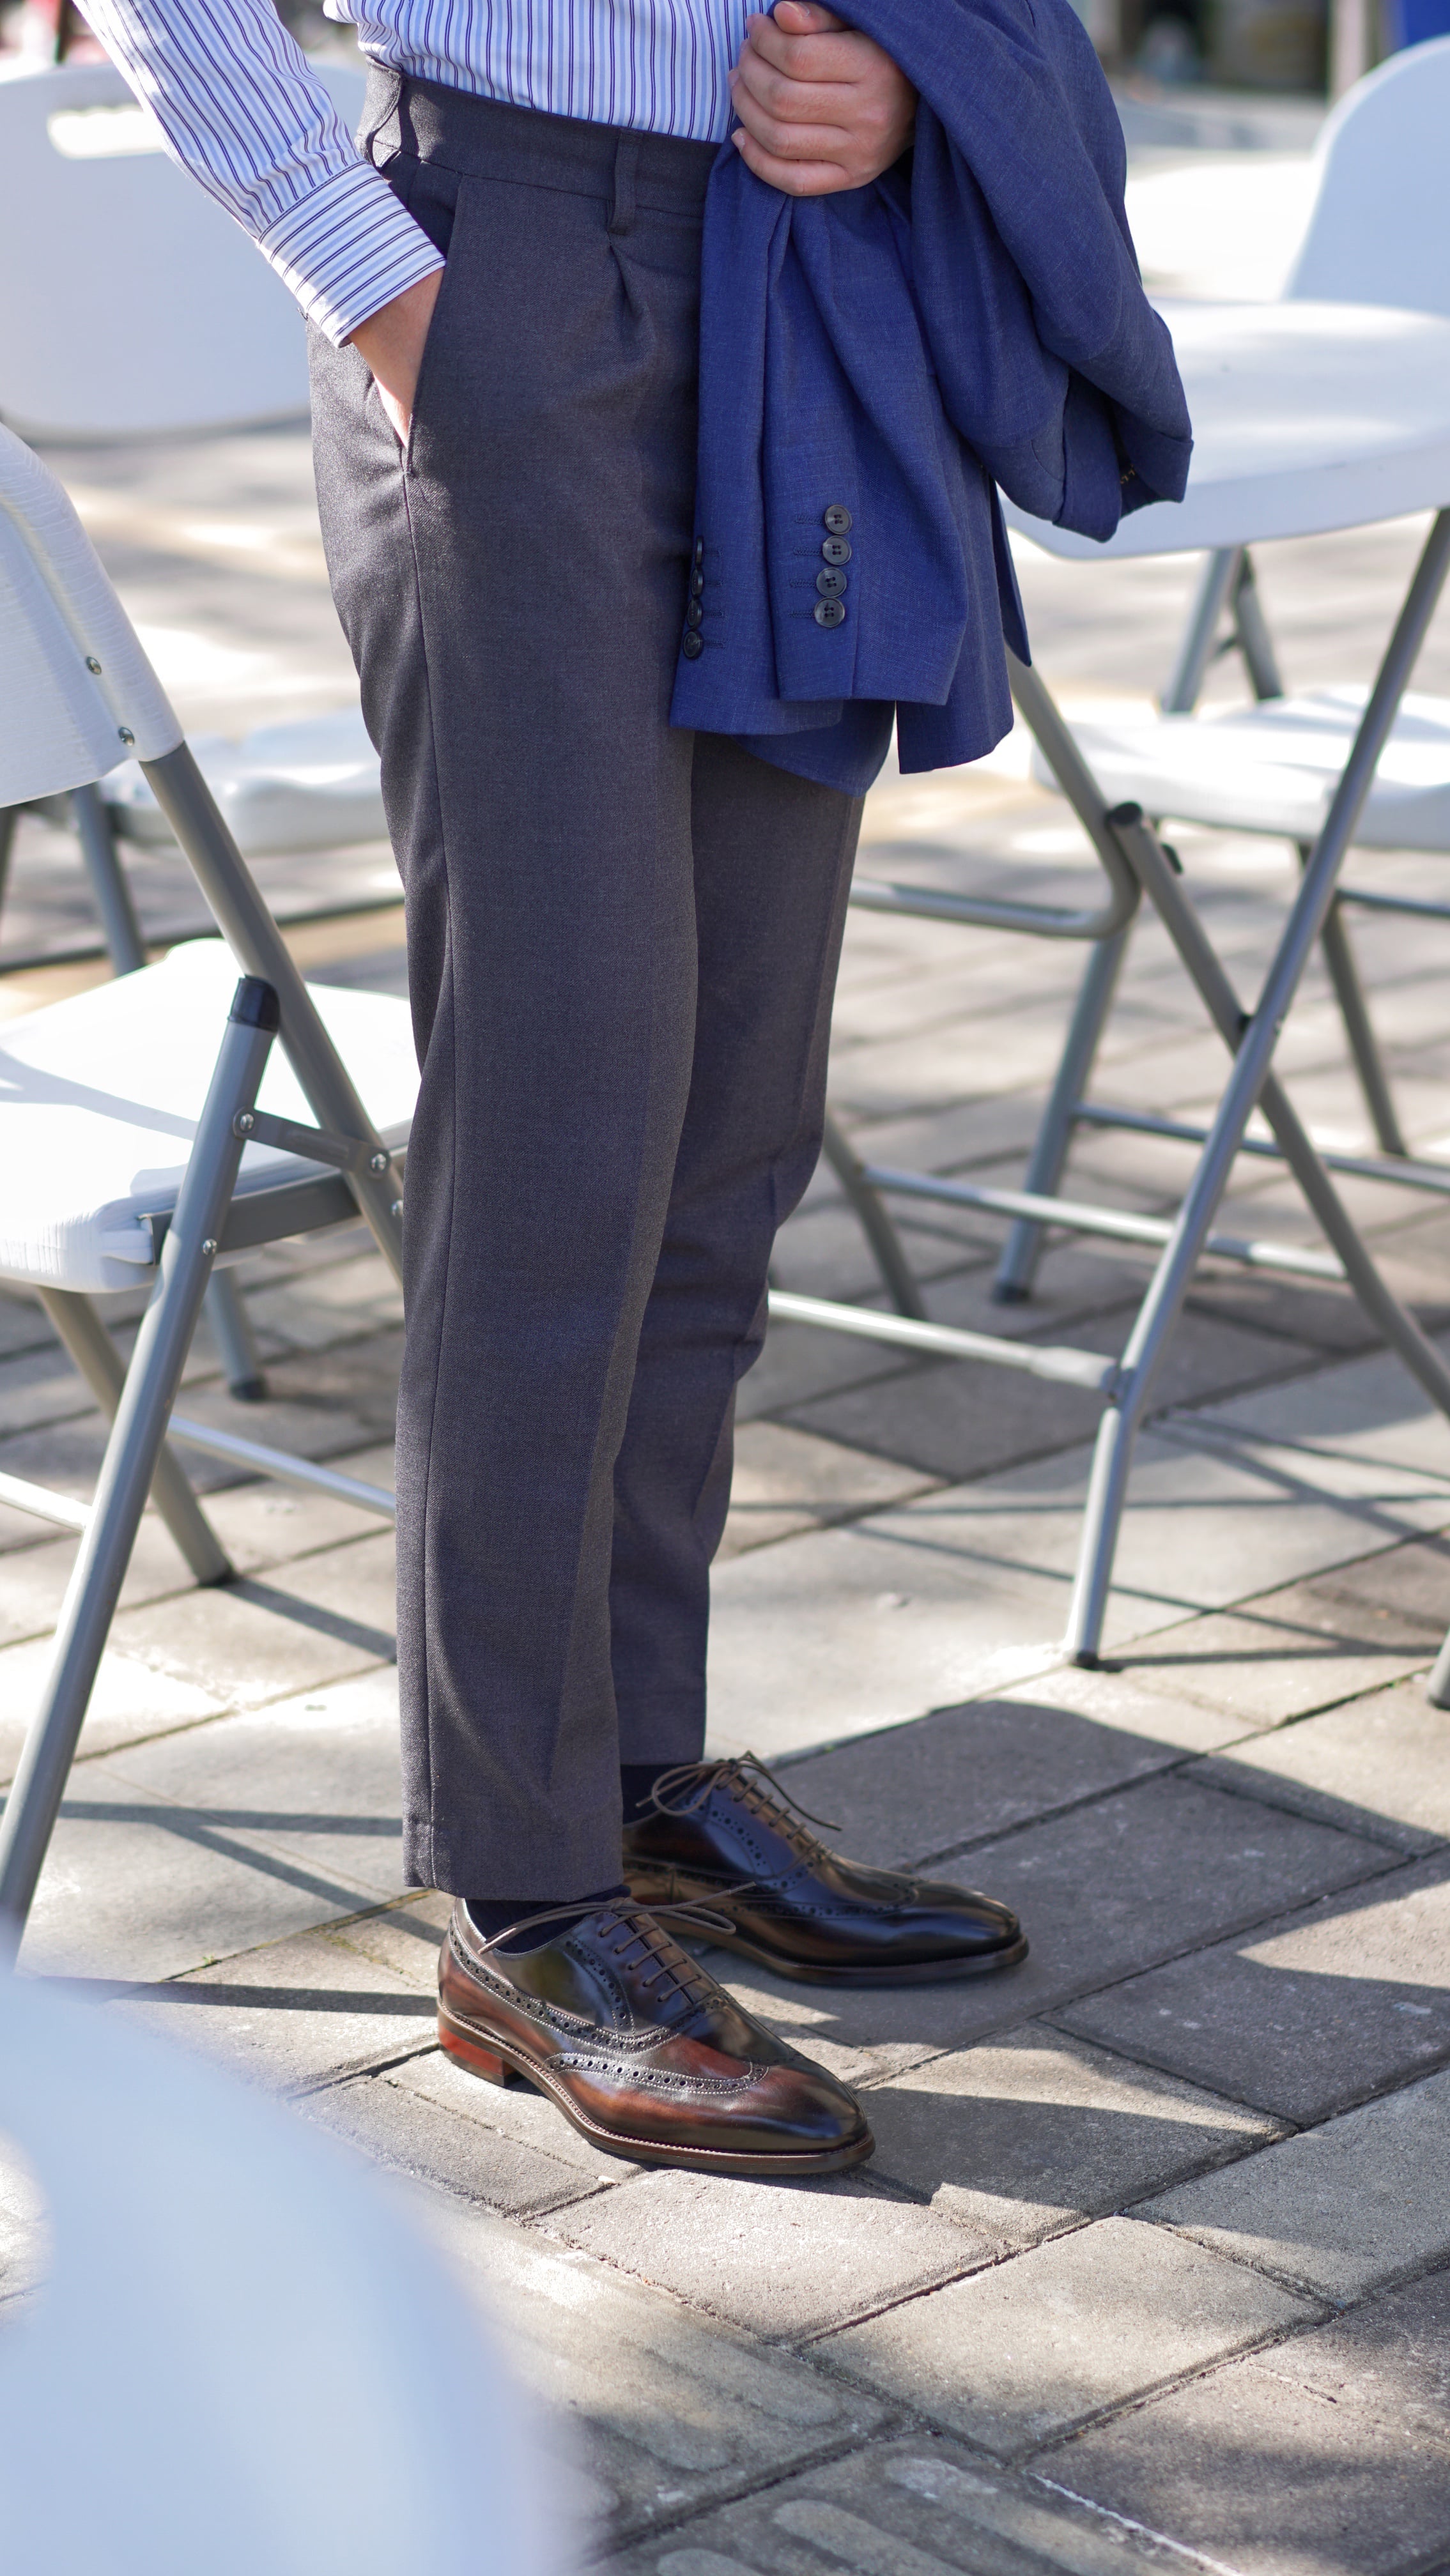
[637, 1780]
[491, 1915]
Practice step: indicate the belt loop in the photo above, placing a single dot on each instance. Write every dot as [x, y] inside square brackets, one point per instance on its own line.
[626, 166]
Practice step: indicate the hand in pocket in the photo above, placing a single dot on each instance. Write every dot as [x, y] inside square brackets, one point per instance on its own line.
[391, 342]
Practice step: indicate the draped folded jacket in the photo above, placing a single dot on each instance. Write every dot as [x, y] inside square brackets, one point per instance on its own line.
[873, 365]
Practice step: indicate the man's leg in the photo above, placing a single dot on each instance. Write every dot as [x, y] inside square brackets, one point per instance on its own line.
[514, 592]
[773, 856]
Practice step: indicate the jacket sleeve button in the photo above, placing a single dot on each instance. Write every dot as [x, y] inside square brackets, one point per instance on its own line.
[836, 550]
[838, 519]
[693, 646]
[829, 612]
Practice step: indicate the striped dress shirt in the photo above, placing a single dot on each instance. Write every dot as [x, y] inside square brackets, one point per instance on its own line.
[239, 107]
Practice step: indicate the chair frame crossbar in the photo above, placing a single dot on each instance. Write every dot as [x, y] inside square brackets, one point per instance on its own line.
[1250, 1037]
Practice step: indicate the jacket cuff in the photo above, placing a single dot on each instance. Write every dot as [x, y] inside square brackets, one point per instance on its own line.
[348, 249]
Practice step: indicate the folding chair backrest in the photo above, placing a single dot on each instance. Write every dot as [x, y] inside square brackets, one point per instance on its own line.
[1379, 232]
[77, 691]
[130, 303]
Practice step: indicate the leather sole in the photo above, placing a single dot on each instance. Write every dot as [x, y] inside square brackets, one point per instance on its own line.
[927, 1972]
[496, 2064]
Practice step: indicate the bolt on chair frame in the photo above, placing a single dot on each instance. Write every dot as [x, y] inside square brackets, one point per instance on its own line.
[1250, 1038]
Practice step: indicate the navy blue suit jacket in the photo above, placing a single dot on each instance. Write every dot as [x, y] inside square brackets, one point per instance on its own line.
[895, 352]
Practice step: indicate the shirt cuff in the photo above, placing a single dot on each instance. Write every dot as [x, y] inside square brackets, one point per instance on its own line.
[348, 249]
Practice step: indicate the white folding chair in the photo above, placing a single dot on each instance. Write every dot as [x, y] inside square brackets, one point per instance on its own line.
[143, 1132]
[1378, 233]
[181, 327]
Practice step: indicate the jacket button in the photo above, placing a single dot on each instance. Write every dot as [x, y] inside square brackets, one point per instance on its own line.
[836, 550]
[693, 646]
[694, 614]
[699, 550]
[837, 519]
[697, 584]
[831, 585]
[829, 612]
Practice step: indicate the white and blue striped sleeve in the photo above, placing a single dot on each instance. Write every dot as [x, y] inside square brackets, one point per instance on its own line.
[239, 108]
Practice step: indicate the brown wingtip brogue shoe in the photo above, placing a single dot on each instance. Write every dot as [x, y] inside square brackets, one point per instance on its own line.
[641, 2050]
[723, 1835]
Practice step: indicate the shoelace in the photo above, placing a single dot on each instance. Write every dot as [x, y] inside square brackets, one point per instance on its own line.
[758, 1789]
[638, 1929]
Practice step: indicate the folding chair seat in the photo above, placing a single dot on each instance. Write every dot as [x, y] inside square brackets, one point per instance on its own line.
[99, 1100]
[147, 1130]
[1273, 767]
[314, 785]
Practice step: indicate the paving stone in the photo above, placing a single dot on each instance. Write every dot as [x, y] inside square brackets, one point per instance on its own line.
[1143, 1874]
[129, 1700]
[1311, 1644]
[399, 2126]
[1302, 2018]
[135, 1888]
[1249, 2472]
[293, 2013]
[787, 1480]
[909, 2508]
[404, 1937]
[312, 1779]
[266, 1524]
[1013, 2357]
[1367, 1408]
[252, 1641]
[668, 2410]
[782, 2260]
[1339, 2209]
[965, 1774]
[964, 1591]
[1391, 2354]
[960, 1418]
[25, 2249]
[1379, 1765]
[1021, 2138]
[1112, 1698]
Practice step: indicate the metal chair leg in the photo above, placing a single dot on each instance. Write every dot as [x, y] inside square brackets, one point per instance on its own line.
[108, 884]
[236, 1342]
[9, 817]
[1196, 651]
[79, 1328]
[1017, 1269]
[1358, 1028]
[875, 1223]
[1437, 1688]
[134, 1448]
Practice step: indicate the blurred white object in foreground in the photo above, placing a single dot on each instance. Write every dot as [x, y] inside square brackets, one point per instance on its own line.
[244, 2360]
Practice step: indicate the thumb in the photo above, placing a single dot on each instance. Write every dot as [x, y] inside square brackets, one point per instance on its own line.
[806, 18]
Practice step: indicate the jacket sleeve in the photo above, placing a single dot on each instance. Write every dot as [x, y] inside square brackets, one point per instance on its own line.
[239, 107]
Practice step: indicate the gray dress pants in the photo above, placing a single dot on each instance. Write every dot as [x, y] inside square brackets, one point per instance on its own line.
[622, 945]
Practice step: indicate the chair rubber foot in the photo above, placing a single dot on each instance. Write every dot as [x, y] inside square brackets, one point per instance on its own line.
[248, 1390]
[1009, 1292]
[472, 2055]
